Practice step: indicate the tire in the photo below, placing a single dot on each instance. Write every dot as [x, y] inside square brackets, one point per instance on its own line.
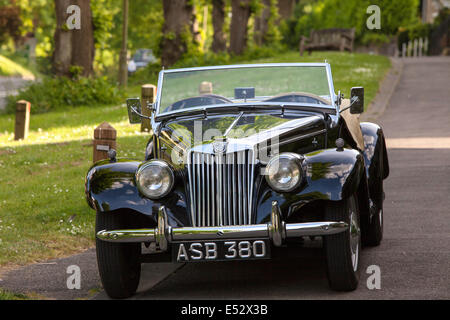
[119, 264]
[343, 250]
[373, 231]
[373, 228]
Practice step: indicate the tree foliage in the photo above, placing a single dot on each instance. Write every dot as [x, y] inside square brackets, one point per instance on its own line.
[146, 20]
[10, 22]
[326, 14]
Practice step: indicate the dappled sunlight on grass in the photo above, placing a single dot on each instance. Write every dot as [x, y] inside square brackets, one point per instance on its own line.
[10, 68]
[65, 134]
[59, 127]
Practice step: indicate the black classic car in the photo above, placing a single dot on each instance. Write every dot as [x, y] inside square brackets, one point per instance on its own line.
[241, 160]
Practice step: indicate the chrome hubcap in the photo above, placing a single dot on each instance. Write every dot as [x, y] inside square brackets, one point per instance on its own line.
[355, 234]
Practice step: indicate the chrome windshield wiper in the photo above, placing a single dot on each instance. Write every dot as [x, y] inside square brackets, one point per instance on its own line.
[234, 123]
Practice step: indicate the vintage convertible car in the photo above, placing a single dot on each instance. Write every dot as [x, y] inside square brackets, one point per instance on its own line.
[241, 160]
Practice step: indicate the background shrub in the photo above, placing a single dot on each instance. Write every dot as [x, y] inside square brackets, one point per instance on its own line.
[57, 93]
[149, 74]
[348, 14]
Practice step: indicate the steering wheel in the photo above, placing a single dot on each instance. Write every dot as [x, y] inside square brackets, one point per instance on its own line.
[297, 97]
[204, 100]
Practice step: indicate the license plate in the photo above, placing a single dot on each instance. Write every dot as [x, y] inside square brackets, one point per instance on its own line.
[220, 250]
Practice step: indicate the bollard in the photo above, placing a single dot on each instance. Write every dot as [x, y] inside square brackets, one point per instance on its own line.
[205, 88]
[104, 140]
[148, 97]
[420, 47]
[22, 120]
[409, 48]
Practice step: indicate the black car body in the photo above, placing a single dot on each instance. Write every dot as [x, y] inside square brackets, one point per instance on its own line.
[242, 174]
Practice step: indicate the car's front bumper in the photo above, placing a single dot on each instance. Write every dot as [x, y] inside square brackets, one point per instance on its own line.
[276, 230]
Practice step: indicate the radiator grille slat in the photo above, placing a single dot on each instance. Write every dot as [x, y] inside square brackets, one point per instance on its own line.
[221, 188]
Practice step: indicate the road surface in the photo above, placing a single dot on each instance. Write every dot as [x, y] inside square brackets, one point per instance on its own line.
[10, 86]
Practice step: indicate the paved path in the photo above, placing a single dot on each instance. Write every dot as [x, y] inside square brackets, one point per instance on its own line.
[10, 86]
[414, 256]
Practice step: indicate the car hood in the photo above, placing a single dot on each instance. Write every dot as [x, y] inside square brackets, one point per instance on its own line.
[249, 131]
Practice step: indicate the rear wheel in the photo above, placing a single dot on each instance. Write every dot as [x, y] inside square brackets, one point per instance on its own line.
[342, 250]
[373, 226]
[118, 263]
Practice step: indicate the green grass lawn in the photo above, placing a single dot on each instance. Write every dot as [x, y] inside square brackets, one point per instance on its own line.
[6, 295]
[43, 211]
[11, 68]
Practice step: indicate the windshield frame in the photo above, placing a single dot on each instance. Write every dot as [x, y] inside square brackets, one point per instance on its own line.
[157, 113]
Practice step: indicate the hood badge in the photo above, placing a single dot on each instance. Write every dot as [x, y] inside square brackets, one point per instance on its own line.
[220, 145]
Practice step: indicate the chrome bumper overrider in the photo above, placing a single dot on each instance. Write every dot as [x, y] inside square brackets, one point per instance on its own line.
[276, 230]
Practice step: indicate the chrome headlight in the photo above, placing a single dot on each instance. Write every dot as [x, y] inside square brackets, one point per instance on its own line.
[284, 172]
[155, 179]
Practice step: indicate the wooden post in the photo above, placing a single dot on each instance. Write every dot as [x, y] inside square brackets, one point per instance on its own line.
[420, 47]
[148, 97]
[415, 48]
[104, 140]
[22, 120]
[404, 50]
[123, 69]
[205, 88]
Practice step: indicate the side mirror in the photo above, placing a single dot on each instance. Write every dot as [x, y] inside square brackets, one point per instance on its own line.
[357, 100]
[134, 110]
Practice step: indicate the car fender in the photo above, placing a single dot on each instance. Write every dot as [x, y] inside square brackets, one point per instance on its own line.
[375, 153]
[330, 175]
[111, 187]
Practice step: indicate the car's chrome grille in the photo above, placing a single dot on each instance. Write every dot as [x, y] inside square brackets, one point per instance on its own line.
[221, 188]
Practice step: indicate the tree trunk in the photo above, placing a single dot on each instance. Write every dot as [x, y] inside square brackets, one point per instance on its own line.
[73, 47]
[218, 17]
[178, 23]
[261, 23]
[62, 54]
[123, 70]
[239, 21]
[83, 49]
[285, 9]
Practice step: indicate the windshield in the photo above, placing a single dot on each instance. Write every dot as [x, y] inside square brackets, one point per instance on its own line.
[213, 86]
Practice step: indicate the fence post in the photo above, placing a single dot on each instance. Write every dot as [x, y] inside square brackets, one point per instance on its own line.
[425, 47]
[22, 125]
[404, 50]
[415, 48]
[148, 92]
[420, 47]
[104, 140]
[409, 48]
[205, 88]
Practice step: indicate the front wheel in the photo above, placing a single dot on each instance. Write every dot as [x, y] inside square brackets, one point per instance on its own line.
[342, 250]
[119, 264]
